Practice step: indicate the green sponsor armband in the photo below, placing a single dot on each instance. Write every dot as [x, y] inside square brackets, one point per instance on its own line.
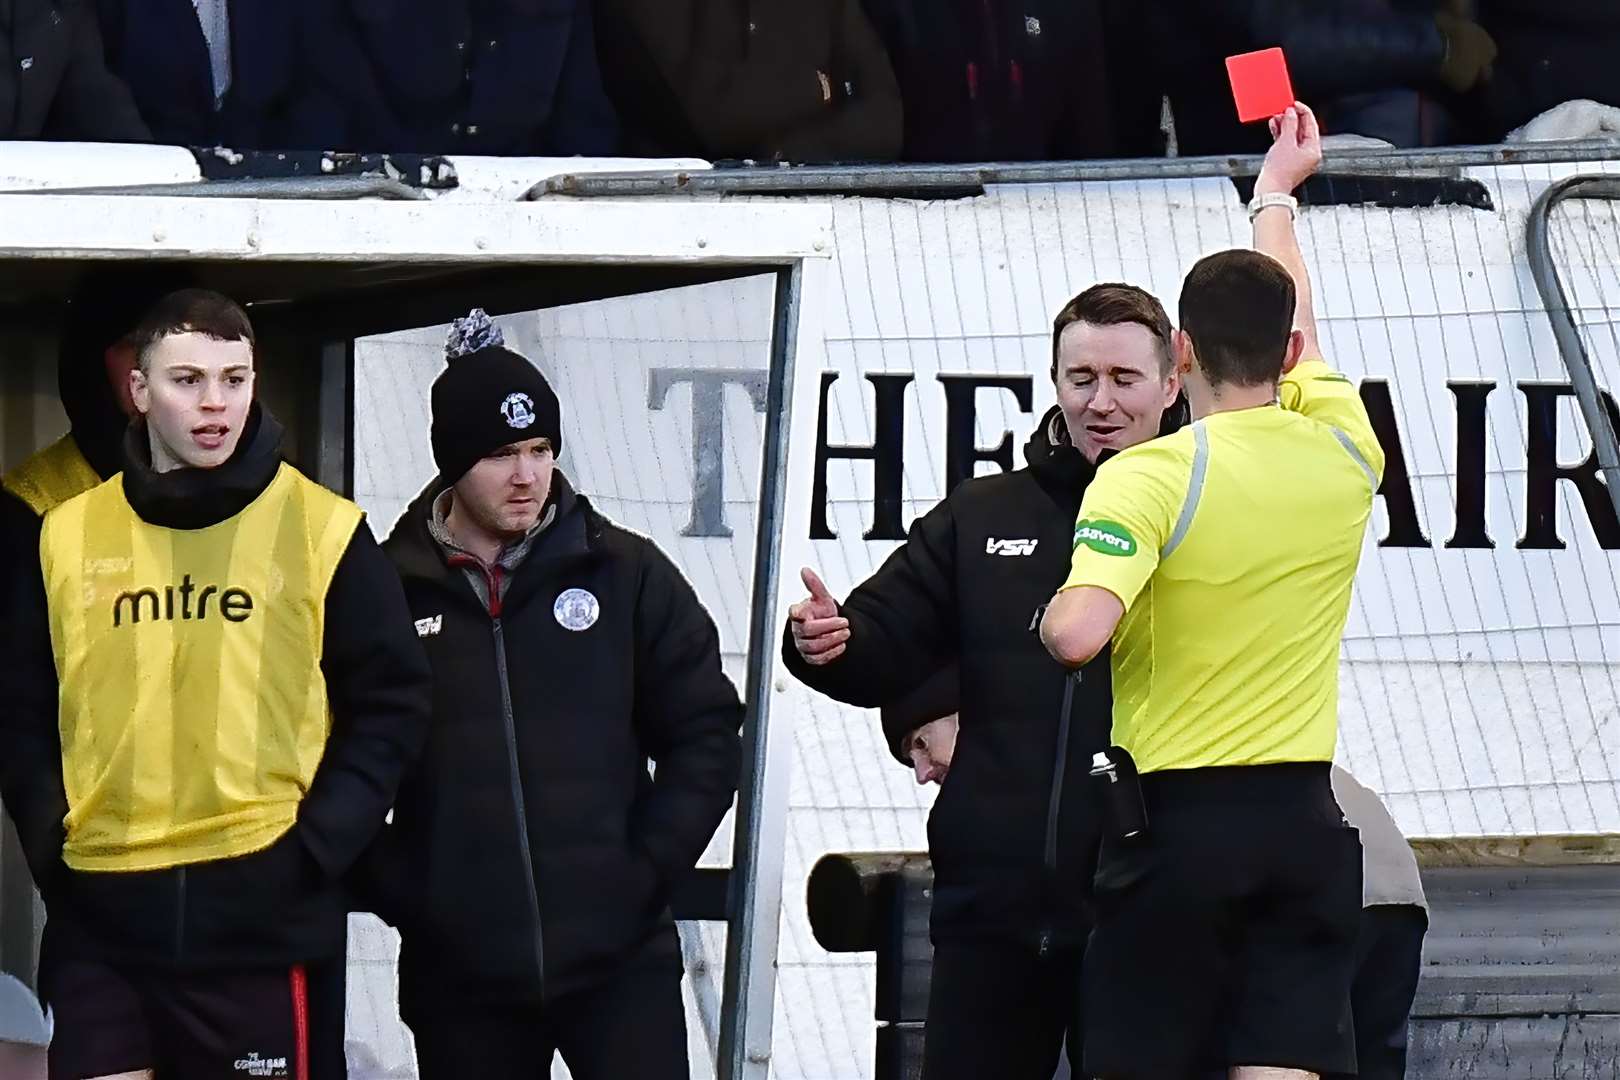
[1106, 537]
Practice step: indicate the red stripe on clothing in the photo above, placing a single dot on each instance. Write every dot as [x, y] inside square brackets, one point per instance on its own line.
[300, 1004]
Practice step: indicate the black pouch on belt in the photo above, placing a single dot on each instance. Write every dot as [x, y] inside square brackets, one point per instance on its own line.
[1119, 788]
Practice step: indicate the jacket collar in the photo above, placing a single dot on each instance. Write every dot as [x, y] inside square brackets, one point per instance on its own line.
[1052, 458]
[197, 498]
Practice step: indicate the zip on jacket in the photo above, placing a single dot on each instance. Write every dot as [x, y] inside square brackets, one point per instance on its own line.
[492, 578]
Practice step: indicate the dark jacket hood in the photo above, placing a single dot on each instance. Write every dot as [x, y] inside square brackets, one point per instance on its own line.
[197, 498]
[1053, 458]
[97, 422]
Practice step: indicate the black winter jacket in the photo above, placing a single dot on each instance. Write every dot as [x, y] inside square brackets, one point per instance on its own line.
[531, 851]
[284, 904]
[176, 96]
[516, 77]
[1014, 832]
[54, 82]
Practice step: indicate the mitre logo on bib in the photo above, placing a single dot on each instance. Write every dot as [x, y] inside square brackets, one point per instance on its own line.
[518, 409]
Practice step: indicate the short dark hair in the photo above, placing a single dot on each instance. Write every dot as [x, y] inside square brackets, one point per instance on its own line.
[1111, 304]
[191, 311]
[1238, 308]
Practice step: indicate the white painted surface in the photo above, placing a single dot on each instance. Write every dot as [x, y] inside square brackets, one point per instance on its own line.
[37, 166]
[562, 231]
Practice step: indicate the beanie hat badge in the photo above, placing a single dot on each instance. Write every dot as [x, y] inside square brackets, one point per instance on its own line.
[518, 408]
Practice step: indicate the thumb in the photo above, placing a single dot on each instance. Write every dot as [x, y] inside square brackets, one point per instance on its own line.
[818, 591]
[1290, 126]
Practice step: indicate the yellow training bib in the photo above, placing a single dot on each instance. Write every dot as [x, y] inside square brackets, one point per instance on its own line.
[193, 709]
[52, 476]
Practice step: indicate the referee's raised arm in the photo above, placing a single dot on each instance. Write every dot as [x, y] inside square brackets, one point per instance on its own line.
[1309, 386]
[1296, 154]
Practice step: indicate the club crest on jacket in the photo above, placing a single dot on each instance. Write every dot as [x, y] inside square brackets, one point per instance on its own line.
[576, 609]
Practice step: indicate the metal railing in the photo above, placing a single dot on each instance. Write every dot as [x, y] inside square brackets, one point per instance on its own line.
[1560, 313]
[939, 180]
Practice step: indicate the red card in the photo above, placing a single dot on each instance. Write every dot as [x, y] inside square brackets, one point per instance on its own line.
[1260, 84]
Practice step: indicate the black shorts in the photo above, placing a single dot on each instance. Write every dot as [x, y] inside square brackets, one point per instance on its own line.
[1226, 935]
[184, 1026]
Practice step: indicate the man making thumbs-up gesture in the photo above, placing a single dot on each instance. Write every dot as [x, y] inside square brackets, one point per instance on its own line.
[819, 632]
[1013, 835]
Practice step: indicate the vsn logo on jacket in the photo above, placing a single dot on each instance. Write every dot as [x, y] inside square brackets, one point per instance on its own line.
[192, 707]
[994, 546]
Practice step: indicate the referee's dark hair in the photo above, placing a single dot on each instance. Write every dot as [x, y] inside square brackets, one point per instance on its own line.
[1238, 308]
[1110, 304]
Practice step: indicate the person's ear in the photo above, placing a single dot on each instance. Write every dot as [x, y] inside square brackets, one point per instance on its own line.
[1183, 348]
[140, 390]
[1295, 350]
[1172, 386]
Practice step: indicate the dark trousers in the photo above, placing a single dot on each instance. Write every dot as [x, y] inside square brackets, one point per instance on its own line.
[1389, 952]
[1000, 1010]
[328, 986]
[632, 1026]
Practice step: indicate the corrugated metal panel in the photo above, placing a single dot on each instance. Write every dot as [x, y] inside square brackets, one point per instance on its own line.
[1515, 1048]
[1521, 975]
[1521, 942]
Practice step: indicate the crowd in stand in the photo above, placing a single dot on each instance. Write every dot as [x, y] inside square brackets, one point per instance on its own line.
[782, 80]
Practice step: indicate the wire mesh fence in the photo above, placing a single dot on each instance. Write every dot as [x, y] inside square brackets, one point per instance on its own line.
[1479, 668]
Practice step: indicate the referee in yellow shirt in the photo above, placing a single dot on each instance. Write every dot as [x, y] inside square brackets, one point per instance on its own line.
[1219, 563]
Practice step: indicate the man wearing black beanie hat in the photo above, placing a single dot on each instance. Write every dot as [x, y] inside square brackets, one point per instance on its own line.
[531, 856]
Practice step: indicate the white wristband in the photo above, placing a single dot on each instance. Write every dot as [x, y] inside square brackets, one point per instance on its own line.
[1270, 199]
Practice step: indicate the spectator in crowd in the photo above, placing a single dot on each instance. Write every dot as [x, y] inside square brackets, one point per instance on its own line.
[1389, 944]
[1553, 51]
[54, 83]
[506, 77]
[783, 80]
[998, 80]
[227, 73]
[1014, 833]
[1383, 67]
[239, 692]
[1219, 563]
[532, 855]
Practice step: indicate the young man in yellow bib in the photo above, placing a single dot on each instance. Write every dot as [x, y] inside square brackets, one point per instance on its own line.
[214, 691]
[1219, 563]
